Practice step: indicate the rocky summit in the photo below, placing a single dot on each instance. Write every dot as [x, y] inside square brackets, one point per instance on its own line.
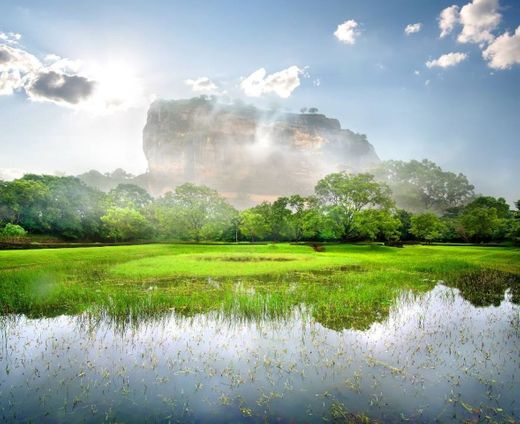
[247, 154]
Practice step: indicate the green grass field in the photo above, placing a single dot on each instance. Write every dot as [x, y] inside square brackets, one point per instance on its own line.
[344, 286]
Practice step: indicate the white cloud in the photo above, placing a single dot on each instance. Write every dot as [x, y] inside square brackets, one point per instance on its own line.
[504, 51]
[16, 67]
[347, 32]
[413, 28]
[201, 85]
[10, 37]
[282, 83]
[448, 18]
[416, 72]
[447, 60]
[478, 19]
[66, 82]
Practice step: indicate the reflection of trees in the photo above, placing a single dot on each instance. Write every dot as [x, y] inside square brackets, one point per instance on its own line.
[353, 318]
[254, 299]
[487, 287]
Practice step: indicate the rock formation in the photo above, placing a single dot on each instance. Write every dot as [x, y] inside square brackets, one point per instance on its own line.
[245, 153]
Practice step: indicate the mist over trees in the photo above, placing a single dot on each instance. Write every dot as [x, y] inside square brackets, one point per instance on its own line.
[420, 186]
[401, 201]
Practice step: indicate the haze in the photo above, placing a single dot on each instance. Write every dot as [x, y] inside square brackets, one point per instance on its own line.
[437, 80]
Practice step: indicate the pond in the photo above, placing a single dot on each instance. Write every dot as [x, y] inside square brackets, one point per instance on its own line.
[435, 357]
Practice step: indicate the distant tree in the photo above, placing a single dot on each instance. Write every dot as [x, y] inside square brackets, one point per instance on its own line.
[427, 227]
[313, 110]
[479, 224]
[488, 202]
[129, 195]
[303, 110]
[405, 218]
[279, 218]
[236, 221]
[344, 195]
[485, 218]
[376, 224]
[424, 186]
[253, 224]
[125, 224]
[56, 205]
[23, 202]
[194, 212]
[12, 232]
[513, 231]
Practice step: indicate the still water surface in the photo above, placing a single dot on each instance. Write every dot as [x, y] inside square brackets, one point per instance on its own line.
[436, 357]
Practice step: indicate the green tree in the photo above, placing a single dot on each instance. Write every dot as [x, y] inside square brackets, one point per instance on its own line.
[129, 196]
[61, 206]
[479, 224]
[344, 195]
[253, 224]
[124, 224]
[488, 202]
[427, 227]
[485, 218]
[405, 219]
[424, 186]
[22, 201]
[513, 232]
[376, 224]
[12, 232]
[193, 212]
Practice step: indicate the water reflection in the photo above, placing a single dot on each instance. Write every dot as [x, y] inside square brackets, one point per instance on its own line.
[436, 357]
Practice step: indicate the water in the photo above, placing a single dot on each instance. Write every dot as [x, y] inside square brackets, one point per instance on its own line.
[436, 357]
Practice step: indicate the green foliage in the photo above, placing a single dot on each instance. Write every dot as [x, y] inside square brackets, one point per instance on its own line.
[344, 207]
[479, 223]
[424, 186]
[373, 224]
[61, 206]
[254, 224]
[193, 212]
[485, 218]
[405, 218]
[344, 195]
[487, 202]
[513, 232]
[125, 224]
[427, 227]
[12, 231]
[129, 196]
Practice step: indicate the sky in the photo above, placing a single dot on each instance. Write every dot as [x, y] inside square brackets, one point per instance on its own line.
[422, 79]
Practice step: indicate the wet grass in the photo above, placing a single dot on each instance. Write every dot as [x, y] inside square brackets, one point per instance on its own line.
[345, 286]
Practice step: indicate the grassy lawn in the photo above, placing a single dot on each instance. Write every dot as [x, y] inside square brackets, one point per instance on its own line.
[344, 286]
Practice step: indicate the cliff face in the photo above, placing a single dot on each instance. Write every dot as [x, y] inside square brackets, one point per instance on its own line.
[245, 153]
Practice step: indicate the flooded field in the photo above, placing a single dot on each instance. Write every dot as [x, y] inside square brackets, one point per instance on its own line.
[436, 356]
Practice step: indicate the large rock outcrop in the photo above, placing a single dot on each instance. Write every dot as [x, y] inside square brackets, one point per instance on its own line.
[246, 153]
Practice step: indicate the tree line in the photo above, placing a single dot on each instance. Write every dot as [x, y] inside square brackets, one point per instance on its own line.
[400, 201]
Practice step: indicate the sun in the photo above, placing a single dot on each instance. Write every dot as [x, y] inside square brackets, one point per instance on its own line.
[118, 86]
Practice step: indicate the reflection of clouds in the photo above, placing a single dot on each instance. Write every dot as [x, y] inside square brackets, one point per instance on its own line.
[430, 348]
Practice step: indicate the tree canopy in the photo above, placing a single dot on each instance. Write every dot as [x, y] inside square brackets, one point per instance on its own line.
[420, 186]
[343, 207]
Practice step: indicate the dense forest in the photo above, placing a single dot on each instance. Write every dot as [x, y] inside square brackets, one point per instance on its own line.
[399, 201]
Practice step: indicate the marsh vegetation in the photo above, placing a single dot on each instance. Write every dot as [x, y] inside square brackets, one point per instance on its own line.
[230, 333]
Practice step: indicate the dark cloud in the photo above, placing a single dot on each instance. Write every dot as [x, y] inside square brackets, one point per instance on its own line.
[58, 87]
[4, 56]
